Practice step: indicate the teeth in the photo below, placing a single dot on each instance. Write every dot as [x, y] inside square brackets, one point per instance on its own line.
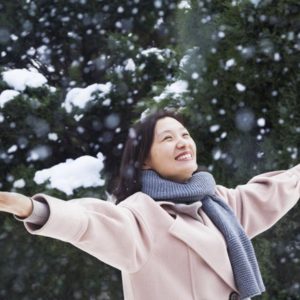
[185, 156]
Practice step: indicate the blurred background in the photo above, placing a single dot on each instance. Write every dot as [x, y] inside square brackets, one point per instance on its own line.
[76, 74]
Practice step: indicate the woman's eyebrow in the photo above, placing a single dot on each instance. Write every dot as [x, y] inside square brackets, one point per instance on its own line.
[170, 131]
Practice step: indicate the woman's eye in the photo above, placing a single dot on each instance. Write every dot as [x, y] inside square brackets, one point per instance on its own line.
[186, 134]
[167, 138]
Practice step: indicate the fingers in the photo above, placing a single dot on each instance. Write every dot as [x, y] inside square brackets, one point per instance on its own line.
[15, 203]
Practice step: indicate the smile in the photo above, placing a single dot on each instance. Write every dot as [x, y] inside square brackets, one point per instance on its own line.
[184, 157]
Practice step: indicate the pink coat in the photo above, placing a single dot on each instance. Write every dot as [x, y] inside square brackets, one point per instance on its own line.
[164, 256]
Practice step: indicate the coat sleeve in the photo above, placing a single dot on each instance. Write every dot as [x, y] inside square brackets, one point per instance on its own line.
[261, 202]
[110, 232]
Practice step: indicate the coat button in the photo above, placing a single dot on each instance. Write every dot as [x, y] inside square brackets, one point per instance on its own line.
[234, 296]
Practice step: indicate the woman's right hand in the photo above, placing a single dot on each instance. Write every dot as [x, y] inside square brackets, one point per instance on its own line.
[16, 204]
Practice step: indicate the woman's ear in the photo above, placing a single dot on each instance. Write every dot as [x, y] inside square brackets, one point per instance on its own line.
[146, 165]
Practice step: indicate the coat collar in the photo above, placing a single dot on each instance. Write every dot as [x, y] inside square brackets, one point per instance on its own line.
[205, 242]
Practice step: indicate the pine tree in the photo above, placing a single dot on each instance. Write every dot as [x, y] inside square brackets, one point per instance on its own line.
[74, 45]
[242, 68]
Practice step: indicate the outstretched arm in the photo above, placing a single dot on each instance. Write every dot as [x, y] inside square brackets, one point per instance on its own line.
[16, 204]
[111, 233]
[264, 199]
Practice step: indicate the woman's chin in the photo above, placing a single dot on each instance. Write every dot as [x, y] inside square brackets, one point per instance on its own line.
[182, 176]
[187, 171]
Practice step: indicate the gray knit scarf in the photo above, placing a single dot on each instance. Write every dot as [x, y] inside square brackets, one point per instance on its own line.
[201, 187]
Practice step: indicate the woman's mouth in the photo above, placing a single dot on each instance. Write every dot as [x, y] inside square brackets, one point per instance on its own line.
[184, 156]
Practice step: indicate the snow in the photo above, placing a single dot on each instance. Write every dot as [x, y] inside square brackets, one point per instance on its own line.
[195, 75]
[216, 154]
[245, 120]
[14, 37]
[223, 135]
[39, 152]
[145, 113]
[261, 122]
[175, 90]
[158, 23]
[260, 154]
[106, 102]
[206, 19]
[52, 136]
[132, 133]
[78, 117]
[112, 121]
[160, 53]
[184, 4]
[222, 111]
[120, 9]
[294, 152]
[79, 97]
[130, 65]
[255, 2]
[12, 149]
[221, 34]
[44, 54]
[20, 183]
[240, 87]
[6, 96]
[214, 128]
[31, 51]
[230, 63]
[20, 79]
[277, 56]
[118, 24]
[158, 3]
[186, 59]
[72, 174]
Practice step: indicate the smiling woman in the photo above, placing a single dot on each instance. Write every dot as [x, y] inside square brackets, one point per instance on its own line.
[173, 232]
[154, 143]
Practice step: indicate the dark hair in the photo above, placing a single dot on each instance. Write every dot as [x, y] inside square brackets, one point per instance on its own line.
[136, 150]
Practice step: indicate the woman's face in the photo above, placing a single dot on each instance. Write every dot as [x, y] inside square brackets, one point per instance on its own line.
[173, 151]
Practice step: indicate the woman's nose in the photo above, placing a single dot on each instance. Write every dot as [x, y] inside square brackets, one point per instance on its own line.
[181, 143]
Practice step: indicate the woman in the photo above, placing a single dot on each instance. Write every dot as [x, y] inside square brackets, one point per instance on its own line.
[174, 233]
